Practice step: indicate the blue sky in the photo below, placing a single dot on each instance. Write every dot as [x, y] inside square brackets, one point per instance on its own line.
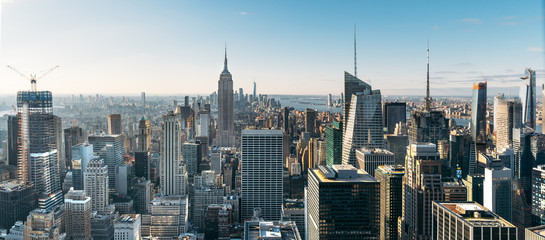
[288, 47]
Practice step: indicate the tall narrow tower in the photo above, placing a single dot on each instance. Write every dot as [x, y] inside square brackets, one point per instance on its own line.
[225, 134]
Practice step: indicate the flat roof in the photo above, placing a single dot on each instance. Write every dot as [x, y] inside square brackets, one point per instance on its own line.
[362, 176]
[475, 214]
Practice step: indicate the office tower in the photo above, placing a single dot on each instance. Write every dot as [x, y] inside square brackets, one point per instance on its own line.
[310, 121]
[143, 196]
[364, 123]
[475, 188]
[167, 217]
[397, 144]
[538, 195]
[144, 135]
[225, 136]
[294, 210]
[59, 136]
[255, 94]
[258, 228]
[82, 154]
[521, 210]
[329, 100]
[96, 184]
[110, 149]
[527, 97]
[77, 215]
[72, 137]
[286, 119]
[262, 182]
[143, 98]
[497, 191]
[202, 198]
[391, 200]
[454, 191]
[40, 224]
[428, 126]
[318, 152]
[16, 232]
[127, 227]
[334, 141]
[352, 85]
[507, 116]
[186, 101]
[469, 220]
[13, 133]
[368, 159]
[17, 199]
[142, 164]
[124, 179]
[459, 145]
[392, 114]
[203, 124]
[114, 124]
[343, 203]
[37, 146]
[171, 143]
[192, 157]
[422, 186]
[478, 113]
[218, 220]
[102, 226]
[123, 204]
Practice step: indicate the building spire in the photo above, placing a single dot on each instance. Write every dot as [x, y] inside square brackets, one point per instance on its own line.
[225, 61]
[355, 62]
[428, 98]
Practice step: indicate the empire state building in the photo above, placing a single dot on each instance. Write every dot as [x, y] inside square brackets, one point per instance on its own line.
[225, 133]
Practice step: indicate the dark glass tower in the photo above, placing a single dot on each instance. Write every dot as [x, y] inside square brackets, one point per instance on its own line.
[478, 113]
[333, 144]
[392, 114]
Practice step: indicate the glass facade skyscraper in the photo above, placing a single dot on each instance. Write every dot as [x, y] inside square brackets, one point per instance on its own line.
[527, 97]
[478, 113]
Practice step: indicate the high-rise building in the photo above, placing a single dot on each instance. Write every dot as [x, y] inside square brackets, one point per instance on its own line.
[256, 229]
[102, 226]
[41, 224]
[96, 182]
[343, 203]
[369, 159]
[475, 188]
[167, 218]
[225, 136]
[202, 198]
[507, 116]
[352, 85]
[397, 144]
[142, 164]
[72, 137]
[143, 98]
[17, 199]
[13, 134]
[143, 196]
[82, 154]
[286, 119]
[61, 157]
[255, 93]
[469, 220]
[171, 142]
[334, 142]
[478, 113]
[144, 135]
[37, 146]
[527, 97]
[127, 227]
[262, 182]
[422, 186]
[428, 126]
[114, 124]
[77, 215]
[538, 195]
[110, 149]
[191, 157]
[497, 191]
[364, 120]
[391, 200]
[294, 210]
[459, 149]
[310, 121]
[393, 113]
[454, 191]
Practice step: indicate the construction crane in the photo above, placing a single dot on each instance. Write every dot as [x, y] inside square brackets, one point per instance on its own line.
[34, 77]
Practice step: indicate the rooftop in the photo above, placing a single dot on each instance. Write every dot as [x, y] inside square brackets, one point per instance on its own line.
[342, 173]
[374, 151]
[475, 214]
[13, 185]
[283, 230]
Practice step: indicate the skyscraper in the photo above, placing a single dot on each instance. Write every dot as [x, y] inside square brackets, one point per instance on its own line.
[96, 184]
[13, 134]
[191, 157]
[392, 114]
[527, 97]
[37, 146]
[369, 159]
[255, 93]
[144, 135]
[497, 191]
[82, 154]
[225, 134]
[72, 136]
[310, 121]
[114, 124]
[127, 227]
[110, 149]
[17, 199]
[364, 121]
[538, 195]
[478, 113]
[469, 220]
[171, 143]
[343, 203]
[262, 182]
[334, 142]
[142, 164]
[143, 98]
[422, 186]
[507, 116]
[41, 224]
[391, 206]
[77, 215]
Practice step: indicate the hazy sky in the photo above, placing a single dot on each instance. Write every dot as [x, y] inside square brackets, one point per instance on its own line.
[288, 47]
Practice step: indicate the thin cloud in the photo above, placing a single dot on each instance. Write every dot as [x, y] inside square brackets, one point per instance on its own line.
[243, 13]
[509, 17]
[471, 20]
[509, 23]
[535, 49]
[435, 27]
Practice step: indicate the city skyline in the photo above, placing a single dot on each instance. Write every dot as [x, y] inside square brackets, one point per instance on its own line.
[113, 53]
